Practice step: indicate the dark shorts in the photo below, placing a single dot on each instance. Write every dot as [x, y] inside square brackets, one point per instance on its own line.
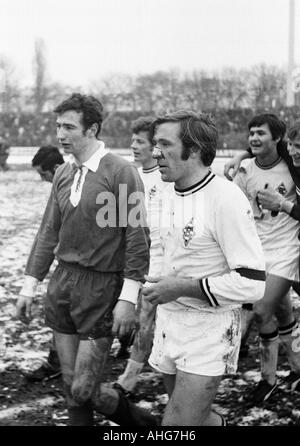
[80, 301]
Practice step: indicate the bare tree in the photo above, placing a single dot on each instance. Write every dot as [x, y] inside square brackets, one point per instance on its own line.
[233, 91]
[40, 90]
[11, 93]
[268, 82]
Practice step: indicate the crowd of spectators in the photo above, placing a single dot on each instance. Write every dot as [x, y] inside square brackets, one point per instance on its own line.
[4, 152]
[27, 130]
[31, 130]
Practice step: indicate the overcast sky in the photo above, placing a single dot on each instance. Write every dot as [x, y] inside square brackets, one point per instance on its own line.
[88, 39]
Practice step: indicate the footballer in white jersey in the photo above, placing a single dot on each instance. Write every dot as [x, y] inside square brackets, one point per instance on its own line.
[278, 231]
[213, 262]
[154, 186]
[210, 235]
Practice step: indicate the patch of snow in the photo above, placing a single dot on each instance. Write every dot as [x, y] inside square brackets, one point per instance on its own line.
[29, 407]
[252, 375]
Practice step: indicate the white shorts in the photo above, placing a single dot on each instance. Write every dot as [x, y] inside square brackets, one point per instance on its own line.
[202, 343]
[283, 262]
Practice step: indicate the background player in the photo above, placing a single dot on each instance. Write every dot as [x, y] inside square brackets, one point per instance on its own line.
[142, 148]
[279, 235]
[46, 160]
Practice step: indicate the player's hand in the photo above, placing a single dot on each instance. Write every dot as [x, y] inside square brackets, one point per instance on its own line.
[124, 318]
[231, 167]
[270, 199]
[163, 289]
[23, 308]
[26, 296]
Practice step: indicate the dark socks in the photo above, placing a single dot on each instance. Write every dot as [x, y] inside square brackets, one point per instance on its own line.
[269, 355]
[128, 414]
[81, 415]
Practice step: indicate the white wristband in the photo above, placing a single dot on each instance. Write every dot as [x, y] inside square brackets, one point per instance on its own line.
[29, 286]
[130, 291]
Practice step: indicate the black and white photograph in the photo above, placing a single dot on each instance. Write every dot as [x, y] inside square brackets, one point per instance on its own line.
[150, 215]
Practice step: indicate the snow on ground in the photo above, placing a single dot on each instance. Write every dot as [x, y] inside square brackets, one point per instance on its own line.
[22, 200]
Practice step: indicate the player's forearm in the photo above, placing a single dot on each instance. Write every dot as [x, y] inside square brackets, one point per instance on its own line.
[137, 253]
[236, 287]
[42, 252]
[288, 207]
[188, 288]
[293, 210]
[40, 260]
[229, 289]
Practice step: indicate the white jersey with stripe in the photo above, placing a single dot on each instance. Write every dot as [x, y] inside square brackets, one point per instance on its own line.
[208, 233]
[154, 187]
[279, 231]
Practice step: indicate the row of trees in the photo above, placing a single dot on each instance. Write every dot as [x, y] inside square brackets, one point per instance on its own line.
[232, 95]
[259, 87]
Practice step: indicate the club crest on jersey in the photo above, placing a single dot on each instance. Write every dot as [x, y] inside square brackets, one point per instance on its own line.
[152, 192]
[282, 189]
[188, 232]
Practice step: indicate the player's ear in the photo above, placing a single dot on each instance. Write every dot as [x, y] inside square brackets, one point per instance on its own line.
[194, 153]
[92, 130]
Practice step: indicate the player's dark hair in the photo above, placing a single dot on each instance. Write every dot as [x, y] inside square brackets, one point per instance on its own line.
[47, 157]
[277, 126]
[294, 131]
[90, 107]
[142, 124]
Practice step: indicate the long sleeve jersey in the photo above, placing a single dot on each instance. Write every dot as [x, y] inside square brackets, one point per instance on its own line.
[77, 235]
[209, 234]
